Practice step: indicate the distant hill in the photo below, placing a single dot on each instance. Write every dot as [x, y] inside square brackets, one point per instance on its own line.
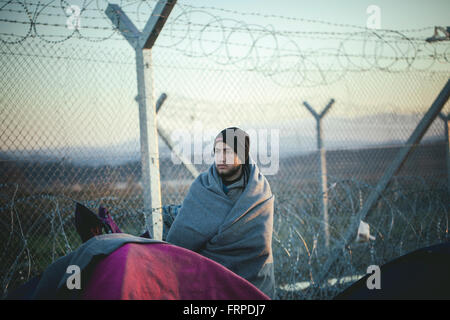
[368, 164]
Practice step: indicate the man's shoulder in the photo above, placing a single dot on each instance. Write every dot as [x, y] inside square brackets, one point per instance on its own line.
[202, 176]
[202, 181]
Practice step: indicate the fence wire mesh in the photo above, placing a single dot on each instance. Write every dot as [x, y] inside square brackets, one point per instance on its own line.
[69, 129]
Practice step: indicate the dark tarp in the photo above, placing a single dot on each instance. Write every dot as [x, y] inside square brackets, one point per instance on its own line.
[422, 274]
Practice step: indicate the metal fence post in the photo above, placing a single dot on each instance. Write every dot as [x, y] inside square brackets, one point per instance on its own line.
[143, 42]
[149, 143]
[322, 168]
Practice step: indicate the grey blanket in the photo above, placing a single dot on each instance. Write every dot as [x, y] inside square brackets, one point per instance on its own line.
[237, 234]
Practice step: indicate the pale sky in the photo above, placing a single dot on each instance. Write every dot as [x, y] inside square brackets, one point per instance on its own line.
[399, 14]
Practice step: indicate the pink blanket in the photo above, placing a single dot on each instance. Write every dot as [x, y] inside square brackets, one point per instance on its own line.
[160, 271]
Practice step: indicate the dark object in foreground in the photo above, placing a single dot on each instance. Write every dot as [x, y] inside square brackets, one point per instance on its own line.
[25, 291]
[88, 224]
[422, 274]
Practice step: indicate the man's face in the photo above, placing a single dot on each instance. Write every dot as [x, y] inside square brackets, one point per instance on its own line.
[227, 162]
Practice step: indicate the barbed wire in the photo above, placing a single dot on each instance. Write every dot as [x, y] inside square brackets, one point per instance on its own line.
[403, 225]
[193, 30]
[86, 8]
[290, 58]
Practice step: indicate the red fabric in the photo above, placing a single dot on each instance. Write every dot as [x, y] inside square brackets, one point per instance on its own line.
[164, 271]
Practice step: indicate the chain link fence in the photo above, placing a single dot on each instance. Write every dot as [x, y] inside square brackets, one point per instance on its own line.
[69, 130]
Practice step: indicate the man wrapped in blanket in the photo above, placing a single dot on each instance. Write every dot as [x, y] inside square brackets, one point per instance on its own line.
[227, 215]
